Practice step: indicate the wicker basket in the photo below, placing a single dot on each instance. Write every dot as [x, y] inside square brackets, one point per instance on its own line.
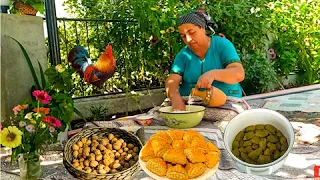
[101, 132]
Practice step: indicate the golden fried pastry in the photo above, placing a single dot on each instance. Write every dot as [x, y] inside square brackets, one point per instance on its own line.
[212, 147]
[195, 155]
[160, 147]
[179, 155]
[157, 166]
[214, 153]
[175, 134]
[169, 165]
[190, 134]
[147, 152]
[200, 143]
[175, 156]
[211, 160]
[195, 170]
[177, 172]
[180, 144]
[161, 135]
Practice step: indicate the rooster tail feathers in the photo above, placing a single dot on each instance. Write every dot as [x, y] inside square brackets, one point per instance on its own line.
[79, 58]
[75, 52]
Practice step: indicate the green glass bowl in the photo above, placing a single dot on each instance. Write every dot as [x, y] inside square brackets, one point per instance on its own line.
[182, 119]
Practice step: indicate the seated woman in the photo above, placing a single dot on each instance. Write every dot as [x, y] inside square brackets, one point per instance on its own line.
[204, 62]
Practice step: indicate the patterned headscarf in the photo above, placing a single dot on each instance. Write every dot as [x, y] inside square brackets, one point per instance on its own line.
[199, 18]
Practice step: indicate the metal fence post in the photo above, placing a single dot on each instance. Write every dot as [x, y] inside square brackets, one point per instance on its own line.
[52, 29]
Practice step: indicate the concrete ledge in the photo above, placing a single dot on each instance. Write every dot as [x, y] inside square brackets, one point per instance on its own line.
[283, 92]
[149, 98]
[119, 103]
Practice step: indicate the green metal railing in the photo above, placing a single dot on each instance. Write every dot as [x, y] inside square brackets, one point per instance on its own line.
[52, 29]
[78, 25]
[93, 35]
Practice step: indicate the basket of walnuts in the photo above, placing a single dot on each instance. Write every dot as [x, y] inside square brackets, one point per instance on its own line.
[102, 153]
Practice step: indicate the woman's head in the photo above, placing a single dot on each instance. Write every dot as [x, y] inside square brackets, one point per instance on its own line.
[192, 28]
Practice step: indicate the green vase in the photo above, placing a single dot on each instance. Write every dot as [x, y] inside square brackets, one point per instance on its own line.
[29, 164]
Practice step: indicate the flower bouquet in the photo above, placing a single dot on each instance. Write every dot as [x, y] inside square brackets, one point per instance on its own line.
[39, 120]
[32, 126]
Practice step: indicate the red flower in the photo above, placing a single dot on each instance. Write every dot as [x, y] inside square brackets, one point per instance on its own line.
[273, 56]
[271, 51]
[42, 96]
[52, 121]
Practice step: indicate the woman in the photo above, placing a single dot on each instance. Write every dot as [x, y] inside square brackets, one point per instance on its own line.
[205, 61]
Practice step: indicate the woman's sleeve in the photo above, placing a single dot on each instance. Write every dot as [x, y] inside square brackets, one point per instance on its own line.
[228, 52]
[178, 65]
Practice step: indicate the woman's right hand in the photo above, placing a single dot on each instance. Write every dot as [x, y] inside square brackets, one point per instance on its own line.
[172, 85]
[177, 103]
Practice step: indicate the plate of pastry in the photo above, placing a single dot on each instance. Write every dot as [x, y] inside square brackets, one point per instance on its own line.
[179, 155]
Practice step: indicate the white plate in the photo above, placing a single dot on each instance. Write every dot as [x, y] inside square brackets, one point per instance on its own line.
[206, 175]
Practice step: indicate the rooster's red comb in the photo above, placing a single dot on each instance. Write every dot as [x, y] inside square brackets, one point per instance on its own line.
[109, 49]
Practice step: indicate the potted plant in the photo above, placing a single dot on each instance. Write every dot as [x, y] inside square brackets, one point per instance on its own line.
[28, 7]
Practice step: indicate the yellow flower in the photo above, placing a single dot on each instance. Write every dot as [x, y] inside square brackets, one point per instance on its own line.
[170, 30]
[32, 121]
[11, 137]
[162, 31]
[187, 5]
[42, 125]
[59, 68]
[153, 9]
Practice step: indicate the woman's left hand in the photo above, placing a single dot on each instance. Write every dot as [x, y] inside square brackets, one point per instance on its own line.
[205, 81]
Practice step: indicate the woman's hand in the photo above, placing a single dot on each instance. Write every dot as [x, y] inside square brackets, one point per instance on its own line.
[172, 84]
[177, 103]
[205, 81]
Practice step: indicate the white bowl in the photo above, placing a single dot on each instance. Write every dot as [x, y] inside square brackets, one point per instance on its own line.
[144, 120]
[206, 175]
[253, 117]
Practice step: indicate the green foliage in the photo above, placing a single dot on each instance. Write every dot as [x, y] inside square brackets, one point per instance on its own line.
[259, 74]
[145, 50]
[60, 87]
[297, 46]
[59, 78]
[98, 113]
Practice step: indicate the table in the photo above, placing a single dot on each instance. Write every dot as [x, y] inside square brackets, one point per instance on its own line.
[299, 164]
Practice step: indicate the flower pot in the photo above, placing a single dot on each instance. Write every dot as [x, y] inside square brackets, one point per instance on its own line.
[24, 9]
[29, 164]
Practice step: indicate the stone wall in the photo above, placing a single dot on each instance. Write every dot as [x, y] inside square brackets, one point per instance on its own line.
[16, 78]
[285, 81]
[117, 103]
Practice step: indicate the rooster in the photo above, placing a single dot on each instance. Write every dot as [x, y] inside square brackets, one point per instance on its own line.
[97, 73]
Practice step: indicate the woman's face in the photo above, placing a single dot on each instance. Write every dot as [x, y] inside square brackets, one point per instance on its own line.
[192, 35]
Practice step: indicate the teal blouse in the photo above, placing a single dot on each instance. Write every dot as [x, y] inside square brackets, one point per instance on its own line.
[220, 53]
